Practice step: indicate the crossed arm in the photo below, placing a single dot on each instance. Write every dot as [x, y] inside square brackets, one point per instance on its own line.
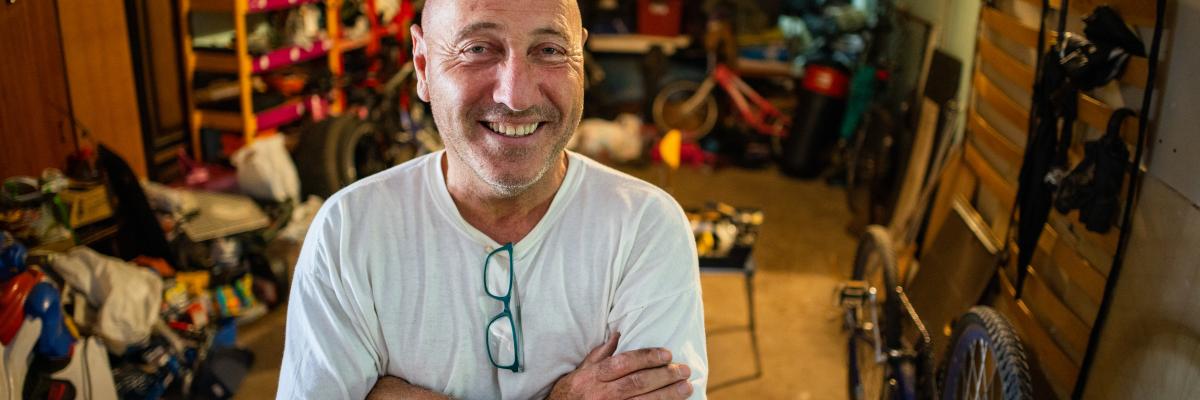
[638, 374]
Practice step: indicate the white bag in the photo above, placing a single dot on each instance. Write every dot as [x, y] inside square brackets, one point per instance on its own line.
[266, 172]
[129, 297]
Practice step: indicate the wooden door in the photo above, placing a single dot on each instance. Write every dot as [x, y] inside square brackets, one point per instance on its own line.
[35, 124]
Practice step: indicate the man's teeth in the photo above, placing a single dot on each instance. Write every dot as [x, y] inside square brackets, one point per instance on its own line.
[513, 130]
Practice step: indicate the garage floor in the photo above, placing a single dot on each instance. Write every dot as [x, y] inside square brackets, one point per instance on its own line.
[803, 252]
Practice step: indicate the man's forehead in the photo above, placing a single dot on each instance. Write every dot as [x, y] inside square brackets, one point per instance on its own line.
[451, 17]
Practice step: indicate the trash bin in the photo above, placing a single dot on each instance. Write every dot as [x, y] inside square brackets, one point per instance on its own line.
[820, 103]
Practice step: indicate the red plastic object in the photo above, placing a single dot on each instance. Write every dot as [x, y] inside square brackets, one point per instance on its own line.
[826, 81]
[288, 56]
[13, 293]
[659, 17]
[257, 6]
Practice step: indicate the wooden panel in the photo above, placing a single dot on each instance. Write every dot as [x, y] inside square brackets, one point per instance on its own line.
[1007, 107]
[1007, 26]
[215, 61]
[1067, 329]
[95, 44]
[1058, 369]
[988, 176]
[994, 140]
[955, 181]
[1135, 72]
[1135, 12]
[214, 5]
[1080, 272]
[35, 127]
[1008, 66]
[222, 120]
[1096, 114]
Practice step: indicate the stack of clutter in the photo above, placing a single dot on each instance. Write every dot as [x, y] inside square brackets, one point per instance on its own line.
[114, 288]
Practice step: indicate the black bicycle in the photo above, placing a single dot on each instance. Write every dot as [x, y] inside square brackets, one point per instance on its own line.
[984, 360]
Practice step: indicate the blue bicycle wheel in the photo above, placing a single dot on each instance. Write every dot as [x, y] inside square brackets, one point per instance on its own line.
[986, 359]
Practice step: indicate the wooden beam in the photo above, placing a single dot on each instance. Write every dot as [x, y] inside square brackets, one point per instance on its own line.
[1006, 106]
[1004, 191]
[1058, 369]
[1008, 66]
[993, 140]
[1095, 113]
[1007, 26]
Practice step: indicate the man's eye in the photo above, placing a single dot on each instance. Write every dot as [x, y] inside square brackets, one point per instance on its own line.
[551, 51]
[477, 49]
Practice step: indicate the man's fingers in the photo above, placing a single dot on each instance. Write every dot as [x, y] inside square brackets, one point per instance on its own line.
[603, 351]
[626, 363]
[677, 391]
[649, 380]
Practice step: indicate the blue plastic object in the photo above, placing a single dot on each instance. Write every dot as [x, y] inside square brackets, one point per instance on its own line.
[12, 261]
[55, 341]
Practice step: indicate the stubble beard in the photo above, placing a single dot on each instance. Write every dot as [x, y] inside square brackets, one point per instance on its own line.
[501, 187]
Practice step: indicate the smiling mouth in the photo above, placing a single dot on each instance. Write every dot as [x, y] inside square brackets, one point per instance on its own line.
[511, 130]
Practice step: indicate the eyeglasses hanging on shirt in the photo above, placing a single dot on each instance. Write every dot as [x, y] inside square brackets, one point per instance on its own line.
[503, 332]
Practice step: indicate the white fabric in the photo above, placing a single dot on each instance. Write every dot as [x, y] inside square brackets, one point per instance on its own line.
[390, 282]
[129, 297]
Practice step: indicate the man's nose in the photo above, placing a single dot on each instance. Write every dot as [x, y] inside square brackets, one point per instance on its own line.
[516, 86]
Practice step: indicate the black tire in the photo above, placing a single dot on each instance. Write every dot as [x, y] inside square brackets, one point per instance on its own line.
[316, 156]
[875, 263]
[984, 332]
[360, 152]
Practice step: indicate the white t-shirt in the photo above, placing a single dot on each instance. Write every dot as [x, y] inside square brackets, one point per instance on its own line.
[390, 282]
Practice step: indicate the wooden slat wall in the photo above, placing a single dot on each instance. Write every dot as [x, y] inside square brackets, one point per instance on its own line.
[1067, 277]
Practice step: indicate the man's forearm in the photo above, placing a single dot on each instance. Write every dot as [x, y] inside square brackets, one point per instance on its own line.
[390, 387]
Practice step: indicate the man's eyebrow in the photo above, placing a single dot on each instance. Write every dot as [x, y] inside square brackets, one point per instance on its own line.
[475, 28]
[552, 32]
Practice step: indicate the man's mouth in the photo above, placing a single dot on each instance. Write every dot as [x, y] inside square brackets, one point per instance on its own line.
[512, 130]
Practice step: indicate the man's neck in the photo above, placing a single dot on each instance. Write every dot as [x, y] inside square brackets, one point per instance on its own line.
[505, 219]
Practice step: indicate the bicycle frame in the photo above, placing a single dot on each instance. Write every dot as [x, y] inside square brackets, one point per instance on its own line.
[907, 364]
[756, 111]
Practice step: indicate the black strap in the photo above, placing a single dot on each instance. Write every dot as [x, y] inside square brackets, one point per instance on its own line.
[1089, 356]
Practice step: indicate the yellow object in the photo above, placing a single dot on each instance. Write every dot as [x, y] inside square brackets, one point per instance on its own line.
[668, 148]
[196, 281]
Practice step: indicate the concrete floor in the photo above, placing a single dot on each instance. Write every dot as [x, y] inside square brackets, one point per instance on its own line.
[803, 252]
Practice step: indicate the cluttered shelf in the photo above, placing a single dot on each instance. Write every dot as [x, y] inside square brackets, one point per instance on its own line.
[227, 61]
[251, 6]
[290, 111]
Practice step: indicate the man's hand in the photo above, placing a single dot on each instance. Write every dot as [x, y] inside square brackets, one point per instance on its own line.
[390, 387]
[641, 374]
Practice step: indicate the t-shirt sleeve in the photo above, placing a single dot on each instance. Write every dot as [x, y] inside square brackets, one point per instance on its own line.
[330, 345]
[657, 301]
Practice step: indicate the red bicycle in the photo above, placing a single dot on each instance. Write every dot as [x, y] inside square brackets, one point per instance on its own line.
[691, 107]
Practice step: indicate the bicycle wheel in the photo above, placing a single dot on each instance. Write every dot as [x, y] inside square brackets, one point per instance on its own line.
[669, 114]
[986, 359]
[875, 325]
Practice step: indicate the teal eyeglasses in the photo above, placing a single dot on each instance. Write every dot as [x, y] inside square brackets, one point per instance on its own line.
[503, 333]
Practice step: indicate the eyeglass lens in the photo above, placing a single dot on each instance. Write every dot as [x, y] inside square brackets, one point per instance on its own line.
[499, 277]
[500, 341]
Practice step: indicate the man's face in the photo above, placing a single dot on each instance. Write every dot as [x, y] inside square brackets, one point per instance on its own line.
[505, 81]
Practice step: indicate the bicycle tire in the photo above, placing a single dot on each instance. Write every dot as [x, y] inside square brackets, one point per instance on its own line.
[982, 328]
[875, 255]
[693, 126]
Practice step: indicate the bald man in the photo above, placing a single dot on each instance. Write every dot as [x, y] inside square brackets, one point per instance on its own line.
[504, 266]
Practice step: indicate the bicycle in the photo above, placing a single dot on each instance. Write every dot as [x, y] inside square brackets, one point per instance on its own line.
[885, 364]
[985, 358]
[692, 109]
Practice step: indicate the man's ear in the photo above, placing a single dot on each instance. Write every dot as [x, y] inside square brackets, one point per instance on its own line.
[420, 62]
